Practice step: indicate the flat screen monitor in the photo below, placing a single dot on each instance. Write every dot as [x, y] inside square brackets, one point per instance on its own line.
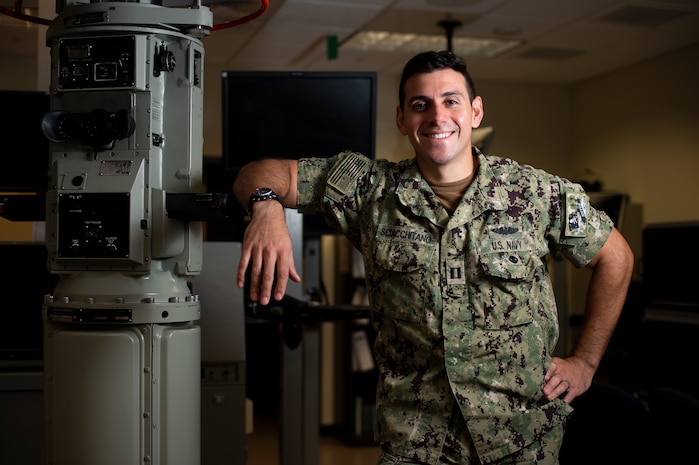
[25, 149]
[670, 258]
[289, 114]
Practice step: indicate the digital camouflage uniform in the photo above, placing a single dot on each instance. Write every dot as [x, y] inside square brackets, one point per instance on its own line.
[462, 305]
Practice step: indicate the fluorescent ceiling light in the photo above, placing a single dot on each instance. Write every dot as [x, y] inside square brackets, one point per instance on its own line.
[407, 42]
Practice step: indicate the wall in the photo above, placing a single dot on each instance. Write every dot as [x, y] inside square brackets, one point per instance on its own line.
[23, 75]
[639, 128]
[531, 123]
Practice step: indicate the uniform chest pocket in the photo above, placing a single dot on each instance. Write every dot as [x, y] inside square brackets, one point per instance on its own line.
[400, 279]
[511, 266]
[507, 292]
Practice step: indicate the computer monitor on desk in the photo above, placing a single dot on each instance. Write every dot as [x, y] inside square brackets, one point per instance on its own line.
[294, 114]
[670, 272]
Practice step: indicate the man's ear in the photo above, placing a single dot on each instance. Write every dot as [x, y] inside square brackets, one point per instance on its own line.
[476, 112]
[399, 120]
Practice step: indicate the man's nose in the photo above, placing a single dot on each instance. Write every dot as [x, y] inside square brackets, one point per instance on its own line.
[438, 114]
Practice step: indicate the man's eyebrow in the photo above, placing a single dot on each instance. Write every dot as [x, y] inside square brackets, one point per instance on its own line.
[448, 93]
[417, 97]
[452, 92]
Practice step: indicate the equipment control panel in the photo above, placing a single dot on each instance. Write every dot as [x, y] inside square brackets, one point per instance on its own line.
[96, 62]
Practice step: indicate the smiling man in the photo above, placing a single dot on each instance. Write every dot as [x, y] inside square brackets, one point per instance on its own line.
[454, 245]
[437, 117]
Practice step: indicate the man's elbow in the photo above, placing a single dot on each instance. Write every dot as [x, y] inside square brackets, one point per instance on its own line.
[620, 256]
[615, 254]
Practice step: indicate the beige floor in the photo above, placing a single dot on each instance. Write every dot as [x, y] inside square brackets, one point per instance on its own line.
[263, 448]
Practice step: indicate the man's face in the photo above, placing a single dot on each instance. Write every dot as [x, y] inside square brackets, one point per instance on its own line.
[438, 118]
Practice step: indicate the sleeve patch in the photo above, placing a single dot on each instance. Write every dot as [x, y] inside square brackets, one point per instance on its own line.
[577, 214]
[342, 179]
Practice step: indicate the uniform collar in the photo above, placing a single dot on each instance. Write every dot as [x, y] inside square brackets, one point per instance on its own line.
[485, 193]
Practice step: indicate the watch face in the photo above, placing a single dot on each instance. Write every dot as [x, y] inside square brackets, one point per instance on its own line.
[260, 194]
[263, 191]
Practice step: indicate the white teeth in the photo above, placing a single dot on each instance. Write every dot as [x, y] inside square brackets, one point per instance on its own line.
[443, 135]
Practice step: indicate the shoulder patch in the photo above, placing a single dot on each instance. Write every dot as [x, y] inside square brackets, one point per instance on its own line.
[577, 214]
[343, 177]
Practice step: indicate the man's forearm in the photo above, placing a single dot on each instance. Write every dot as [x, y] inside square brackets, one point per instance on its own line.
[605, 300]
[279, 175]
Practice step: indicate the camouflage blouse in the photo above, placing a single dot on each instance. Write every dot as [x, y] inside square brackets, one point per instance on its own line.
[462, 305]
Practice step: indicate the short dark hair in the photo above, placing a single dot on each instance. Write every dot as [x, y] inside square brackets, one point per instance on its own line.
[428, 62]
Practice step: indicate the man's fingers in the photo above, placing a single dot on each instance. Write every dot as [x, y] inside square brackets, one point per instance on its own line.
[286, 270]
[268, 258]
[269, 266]
[242, 268]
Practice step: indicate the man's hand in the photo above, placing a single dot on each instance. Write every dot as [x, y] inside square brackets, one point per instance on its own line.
[568, 377]
[268, 250]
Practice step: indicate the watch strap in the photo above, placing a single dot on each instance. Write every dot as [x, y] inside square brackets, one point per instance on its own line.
[260, 195]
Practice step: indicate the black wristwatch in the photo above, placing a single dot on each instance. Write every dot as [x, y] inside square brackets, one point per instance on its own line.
[260, 194]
